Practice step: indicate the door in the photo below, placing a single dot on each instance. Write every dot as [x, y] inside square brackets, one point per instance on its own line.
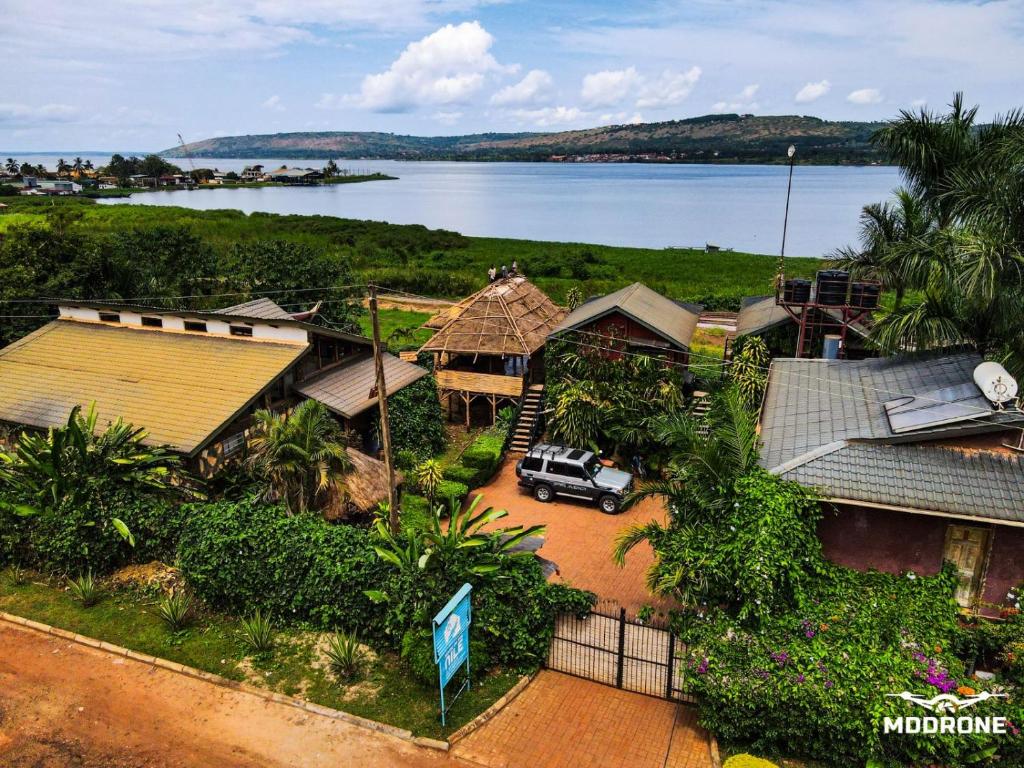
[967, 549]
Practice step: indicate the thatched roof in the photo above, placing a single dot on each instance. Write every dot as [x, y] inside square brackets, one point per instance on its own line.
[366, 485]
[508, 317]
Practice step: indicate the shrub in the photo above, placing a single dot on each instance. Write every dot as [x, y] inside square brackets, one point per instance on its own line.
[450, 493]
[468, 476]
[345, 655]
[258, 632]
[239, 557]
[85, 590]
[417, 424]
[484, 454]
[176, 610]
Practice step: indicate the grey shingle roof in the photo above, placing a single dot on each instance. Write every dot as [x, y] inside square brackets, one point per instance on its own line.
[823, 423]
[760, 313]
[260, 309]
[662, 315]
[346, 389]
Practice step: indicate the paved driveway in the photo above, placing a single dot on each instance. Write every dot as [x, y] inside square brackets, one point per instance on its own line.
[580, 539]
[563, 722]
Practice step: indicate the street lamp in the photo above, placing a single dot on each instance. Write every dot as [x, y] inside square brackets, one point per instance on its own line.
[791, 154]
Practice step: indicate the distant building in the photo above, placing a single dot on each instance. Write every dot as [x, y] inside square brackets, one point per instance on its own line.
[252, 173]
[287, 175]
[57, 187]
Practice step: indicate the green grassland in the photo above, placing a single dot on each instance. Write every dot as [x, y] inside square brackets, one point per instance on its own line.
[386, 693]
[450, 265]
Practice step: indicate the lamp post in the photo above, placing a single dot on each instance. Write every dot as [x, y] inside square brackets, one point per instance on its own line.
[791, 154]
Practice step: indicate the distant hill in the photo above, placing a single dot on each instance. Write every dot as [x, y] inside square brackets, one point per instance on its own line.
[713, 138]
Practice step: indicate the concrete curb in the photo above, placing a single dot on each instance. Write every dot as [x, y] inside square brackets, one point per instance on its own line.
[716, 758]
[492, 710]
[209, 677]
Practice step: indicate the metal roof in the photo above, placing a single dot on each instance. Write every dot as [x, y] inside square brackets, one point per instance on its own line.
[649, 308]
[346, 389]
[824, 424]
[260, 309]
[182, 388]
[760, 313]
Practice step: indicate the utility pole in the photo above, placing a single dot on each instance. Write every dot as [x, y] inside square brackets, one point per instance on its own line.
[791, 152]
[382, 403]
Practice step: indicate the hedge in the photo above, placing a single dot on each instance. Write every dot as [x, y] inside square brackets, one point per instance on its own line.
[484, 454]
[468, 476]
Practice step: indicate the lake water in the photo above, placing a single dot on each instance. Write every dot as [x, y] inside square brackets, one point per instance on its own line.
[733, 206]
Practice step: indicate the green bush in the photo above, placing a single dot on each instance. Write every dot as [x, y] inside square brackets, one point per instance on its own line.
[484, 454]
[748, 761]
[450, 492]
[240, 557]
[417, 424]
[468, 476]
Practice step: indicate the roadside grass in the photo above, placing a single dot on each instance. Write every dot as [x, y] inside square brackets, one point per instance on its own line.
[387, 692]
[393, 321]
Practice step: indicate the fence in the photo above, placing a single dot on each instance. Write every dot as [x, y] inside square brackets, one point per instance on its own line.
[608, 647]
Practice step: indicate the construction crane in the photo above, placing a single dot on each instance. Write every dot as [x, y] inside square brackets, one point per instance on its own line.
[191, 163]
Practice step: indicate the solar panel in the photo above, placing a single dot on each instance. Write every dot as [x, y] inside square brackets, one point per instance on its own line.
[574, 455]
[948, 405]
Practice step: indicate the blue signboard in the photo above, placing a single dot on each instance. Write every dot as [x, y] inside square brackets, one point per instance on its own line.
[451, 642]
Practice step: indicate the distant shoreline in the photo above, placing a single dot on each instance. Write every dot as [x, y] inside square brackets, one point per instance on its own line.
[128, 192]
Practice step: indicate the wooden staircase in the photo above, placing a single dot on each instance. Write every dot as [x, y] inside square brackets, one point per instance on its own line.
[522, 438]
[699, 411]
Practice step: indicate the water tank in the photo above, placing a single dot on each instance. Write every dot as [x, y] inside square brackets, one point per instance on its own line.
[864, 295]
[832, 287]
[830, 349]
[796, 291]
[995, 382]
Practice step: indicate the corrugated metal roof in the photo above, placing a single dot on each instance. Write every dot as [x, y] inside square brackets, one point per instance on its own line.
[647, 307]
[823, 423]
[760, 313]
[182, 388]
[260, 309]
[346, 389]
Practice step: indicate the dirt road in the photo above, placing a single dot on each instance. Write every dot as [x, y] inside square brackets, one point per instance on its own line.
[63, 704]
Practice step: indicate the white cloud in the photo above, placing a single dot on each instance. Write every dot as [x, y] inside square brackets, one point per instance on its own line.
[536, 88]
[447, 118]
[865, 96]
[621, 118]
[448, 66]
[614, 86]
[19, 115]
[669, 89]
[608, 87]
[812, 92]
[330, 101]
[741, 102]
[548, 116]
[274, 103]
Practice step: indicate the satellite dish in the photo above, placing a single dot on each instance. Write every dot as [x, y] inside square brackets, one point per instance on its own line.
[995, 383]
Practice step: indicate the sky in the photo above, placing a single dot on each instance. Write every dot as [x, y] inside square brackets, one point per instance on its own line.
[129, 75]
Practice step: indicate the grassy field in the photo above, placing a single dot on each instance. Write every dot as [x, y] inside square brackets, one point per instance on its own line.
[399, 327]
[387, 693]
[449, 265]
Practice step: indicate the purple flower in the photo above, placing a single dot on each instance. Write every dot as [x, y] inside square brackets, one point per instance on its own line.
[702, 668]
[829, 683]
[800, 678]
[781, 658]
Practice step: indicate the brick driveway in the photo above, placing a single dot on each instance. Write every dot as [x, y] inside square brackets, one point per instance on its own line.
[562, 721]
[580, 539]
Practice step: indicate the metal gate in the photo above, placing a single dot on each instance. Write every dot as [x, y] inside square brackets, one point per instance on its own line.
[607, 647]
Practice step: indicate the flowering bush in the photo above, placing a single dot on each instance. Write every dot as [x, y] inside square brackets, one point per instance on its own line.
[818, 683]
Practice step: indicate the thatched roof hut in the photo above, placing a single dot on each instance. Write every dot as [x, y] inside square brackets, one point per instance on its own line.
[508, 317]
[365, 486]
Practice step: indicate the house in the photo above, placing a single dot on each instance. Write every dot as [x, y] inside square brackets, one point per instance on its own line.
[174, 180]
[763, 316]
[252, 173]
[634, 319]
[916, 464]
[57, 187]
[286, 175]
[488, 347]
[191, 379]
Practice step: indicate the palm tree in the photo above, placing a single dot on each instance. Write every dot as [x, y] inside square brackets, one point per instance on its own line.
[88, 165]
[429, 477]
[11, 166]
[77, 165]
[62, 167]
[301, 454]
[893, 239]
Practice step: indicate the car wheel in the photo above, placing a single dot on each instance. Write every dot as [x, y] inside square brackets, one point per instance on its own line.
[609, 505]
[543, 493]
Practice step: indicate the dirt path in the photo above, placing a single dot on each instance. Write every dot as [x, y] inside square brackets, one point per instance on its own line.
[63, 704]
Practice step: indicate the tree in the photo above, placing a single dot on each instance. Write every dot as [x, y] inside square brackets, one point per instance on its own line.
[11, 166]
[80, 466]
[62, 167]
[301, 455]
[88, 165]
[331, 169]
[893, 235]
[429, 477]
[749, 369]
[77, 165]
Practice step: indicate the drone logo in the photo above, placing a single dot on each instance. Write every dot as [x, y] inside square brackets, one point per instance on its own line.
[947, 707]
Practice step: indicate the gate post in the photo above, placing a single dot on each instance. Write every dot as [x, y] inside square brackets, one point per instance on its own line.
[671, 663]
[622, 646]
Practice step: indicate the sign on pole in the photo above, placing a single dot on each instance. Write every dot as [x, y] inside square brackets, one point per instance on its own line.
[451, 643]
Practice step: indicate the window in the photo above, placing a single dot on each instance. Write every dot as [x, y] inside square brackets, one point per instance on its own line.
[241, 330]
[566, 470]
[232, 445]
[533, 464]
[195, 325]
[110, 317]
[967, 549]
[153, 322]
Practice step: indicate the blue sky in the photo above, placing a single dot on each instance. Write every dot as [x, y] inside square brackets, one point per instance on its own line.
[131, 74]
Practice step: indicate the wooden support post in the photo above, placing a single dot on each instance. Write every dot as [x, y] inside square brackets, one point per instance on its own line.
[385, 424]
[494, 409]
[468, 401]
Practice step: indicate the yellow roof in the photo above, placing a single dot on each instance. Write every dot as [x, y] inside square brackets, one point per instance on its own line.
[182, 388]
